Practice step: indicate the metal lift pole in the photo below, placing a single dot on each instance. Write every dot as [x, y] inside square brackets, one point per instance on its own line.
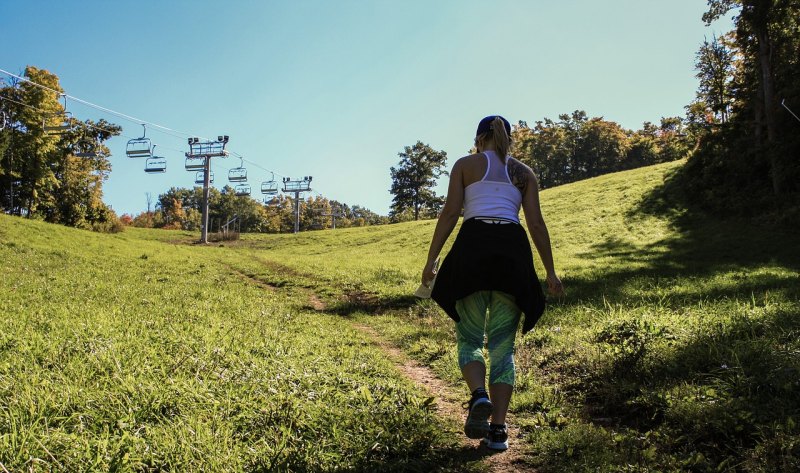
[297, 212]
[297, 187]
[206, 183]
[205, 150]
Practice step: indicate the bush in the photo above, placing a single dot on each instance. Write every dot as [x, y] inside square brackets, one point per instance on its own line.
[106, 221]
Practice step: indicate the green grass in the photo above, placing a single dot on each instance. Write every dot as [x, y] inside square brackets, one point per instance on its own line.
[119, 353]
[676, 348]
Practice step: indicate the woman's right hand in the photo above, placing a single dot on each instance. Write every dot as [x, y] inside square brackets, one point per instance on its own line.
[554, 285]
[428, 273]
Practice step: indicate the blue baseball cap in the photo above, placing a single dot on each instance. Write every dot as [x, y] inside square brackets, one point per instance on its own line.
[485, 125]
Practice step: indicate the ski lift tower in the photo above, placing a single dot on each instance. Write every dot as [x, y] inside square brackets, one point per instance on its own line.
[297, 186]
[205, 150]
[333, 215]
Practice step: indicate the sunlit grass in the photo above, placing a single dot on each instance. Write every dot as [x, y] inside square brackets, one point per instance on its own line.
[118, 353]
[676, 347]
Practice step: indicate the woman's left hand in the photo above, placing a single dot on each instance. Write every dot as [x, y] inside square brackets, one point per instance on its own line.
[554, 285]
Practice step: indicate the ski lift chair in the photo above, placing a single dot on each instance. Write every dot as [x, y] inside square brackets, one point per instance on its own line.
[195, 164]
[242, 190]
[238, 174]
[64, 121]
[64, 124]
[155, 165]
[85, 149]
[140, 147]
[269, 187]
[200, 177]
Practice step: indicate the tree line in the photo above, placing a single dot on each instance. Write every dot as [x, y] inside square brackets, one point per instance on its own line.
[569, 149]
[180, 208]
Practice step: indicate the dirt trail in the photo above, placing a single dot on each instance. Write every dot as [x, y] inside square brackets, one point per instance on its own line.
[448, 400]
[251, 279]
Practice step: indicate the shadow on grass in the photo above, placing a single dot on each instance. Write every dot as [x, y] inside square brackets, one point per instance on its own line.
[369, 303]
[448, 459]
[721, 389]
[721, 393]
[702, 246]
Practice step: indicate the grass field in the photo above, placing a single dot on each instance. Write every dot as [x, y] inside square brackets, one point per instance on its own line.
[676, 348]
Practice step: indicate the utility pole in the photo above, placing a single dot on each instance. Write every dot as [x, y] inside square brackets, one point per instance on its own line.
[297, 186]
[203, 151]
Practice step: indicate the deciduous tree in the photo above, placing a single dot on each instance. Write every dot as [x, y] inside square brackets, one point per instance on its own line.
[54, 176]
[413, 181]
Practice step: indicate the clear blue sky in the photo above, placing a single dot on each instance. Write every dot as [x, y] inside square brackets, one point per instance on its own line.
[335, 89]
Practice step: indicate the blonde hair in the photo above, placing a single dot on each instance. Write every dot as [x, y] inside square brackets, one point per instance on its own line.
[497, 133]
[501, 139]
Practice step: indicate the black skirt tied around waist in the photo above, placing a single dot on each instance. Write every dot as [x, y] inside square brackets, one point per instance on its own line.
[490, 256]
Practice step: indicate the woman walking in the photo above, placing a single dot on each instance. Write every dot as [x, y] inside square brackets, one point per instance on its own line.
[490, 267]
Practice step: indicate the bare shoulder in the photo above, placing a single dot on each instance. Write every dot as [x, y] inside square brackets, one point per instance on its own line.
[520, 174]
[473, 158]
[472, 167]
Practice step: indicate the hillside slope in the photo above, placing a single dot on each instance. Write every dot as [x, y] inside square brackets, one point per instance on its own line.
[124, 353]
[676, 347]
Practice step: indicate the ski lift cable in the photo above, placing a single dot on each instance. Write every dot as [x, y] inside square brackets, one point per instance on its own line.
[87, 125]
[98, 107]
[128, 117]
[163, 129]
[214, 164]
[84, 124]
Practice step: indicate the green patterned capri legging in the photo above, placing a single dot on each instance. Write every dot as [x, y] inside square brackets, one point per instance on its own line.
[500, 327]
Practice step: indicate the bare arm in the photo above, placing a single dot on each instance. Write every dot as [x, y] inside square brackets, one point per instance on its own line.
[537, 227]
[447, 218]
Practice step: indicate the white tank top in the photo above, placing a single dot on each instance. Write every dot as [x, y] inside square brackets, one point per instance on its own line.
[494, 196]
